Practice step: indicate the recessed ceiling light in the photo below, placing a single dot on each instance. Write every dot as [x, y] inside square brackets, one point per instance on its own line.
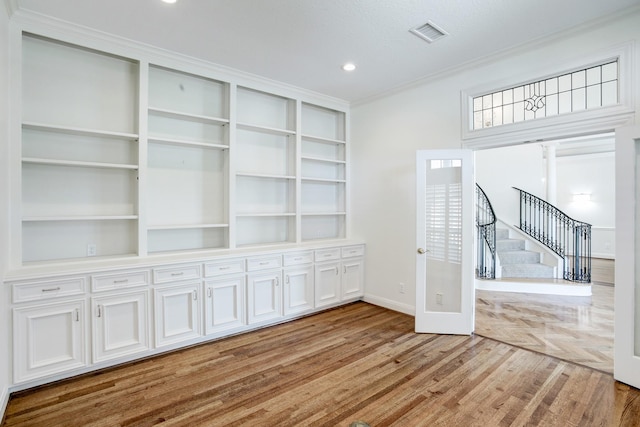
[169, 1]
[349, 66]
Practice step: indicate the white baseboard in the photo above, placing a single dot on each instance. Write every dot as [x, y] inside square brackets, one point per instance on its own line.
[4, 401]
[390, 304]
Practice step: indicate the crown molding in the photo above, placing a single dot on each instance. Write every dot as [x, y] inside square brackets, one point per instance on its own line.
[497, 56]
[46, 26]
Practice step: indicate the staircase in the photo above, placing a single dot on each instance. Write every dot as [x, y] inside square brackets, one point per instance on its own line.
[517, 261]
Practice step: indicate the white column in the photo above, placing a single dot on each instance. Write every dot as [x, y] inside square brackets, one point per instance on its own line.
[552, 188]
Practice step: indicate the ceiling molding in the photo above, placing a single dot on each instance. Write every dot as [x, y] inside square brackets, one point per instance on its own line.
[532, 44]
[46, 26]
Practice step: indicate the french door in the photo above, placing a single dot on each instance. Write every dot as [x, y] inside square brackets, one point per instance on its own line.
[444, 242]
[627, 291]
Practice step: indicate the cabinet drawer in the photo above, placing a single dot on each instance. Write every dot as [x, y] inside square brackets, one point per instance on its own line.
[121, 280]
[175, 273]
[263, 263]
[298, 258]
[351, 251]
[327, 254]
[227, 266]
[50, 289]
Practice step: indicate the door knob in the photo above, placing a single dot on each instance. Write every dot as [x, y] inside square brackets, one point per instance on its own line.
[421, 251]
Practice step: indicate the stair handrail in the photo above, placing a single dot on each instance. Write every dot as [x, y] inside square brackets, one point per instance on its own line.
[567, 237]
[486, 235]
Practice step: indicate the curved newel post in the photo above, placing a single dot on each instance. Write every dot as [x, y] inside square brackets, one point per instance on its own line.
[567, 237]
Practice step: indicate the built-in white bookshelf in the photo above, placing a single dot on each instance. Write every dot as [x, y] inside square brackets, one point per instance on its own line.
[125, 157]
[187, 162]
[323, 174]
[265, 168]
[79, 156]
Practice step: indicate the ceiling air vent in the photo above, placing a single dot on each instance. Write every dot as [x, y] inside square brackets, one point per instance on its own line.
[429, 32]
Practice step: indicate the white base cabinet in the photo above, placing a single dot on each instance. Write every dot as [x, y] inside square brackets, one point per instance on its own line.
[177, 313]
[298, 290]
[48, 339]
[352, 278]
[264, 296]
[120, 325]
[224, 304]
[177, 304]
[339, 275]
[327, 283]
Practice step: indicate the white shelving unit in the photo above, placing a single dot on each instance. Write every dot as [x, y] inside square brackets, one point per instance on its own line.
[127, 157]
[195, 190]
[324, 173]
[188, 144]
[265, 170]
[79, 156]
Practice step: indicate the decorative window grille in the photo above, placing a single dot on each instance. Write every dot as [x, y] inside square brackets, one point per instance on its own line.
[580, 90]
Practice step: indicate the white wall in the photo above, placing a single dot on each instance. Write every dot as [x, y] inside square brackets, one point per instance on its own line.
[498, 170]
[4, 208]
[386, 133]
[593, 174]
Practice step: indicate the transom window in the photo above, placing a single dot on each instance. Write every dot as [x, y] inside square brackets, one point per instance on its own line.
[580, 90]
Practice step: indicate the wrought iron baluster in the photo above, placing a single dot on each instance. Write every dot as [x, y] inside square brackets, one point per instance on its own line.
[564, 235]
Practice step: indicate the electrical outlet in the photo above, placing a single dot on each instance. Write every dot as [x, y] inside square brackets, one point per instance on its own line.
[401, 288]
[91, 249]
[439, 298]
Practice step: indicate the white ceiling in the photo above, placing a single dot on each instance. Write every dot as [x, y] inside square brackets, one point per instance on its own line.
[305, 42]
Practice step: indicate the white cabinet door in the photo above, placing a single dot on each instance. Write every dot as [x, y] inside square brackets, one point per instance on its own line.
[264, 296]
[327, 281]
[177, 313]
[352, 278]
[48, 339]
[120, 325]
[298, 290]
[224, 304]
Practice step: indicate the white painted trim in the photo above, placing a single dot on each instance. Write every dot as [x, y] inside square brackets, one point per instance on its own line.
[586, 122]
[534, 287]
[46, 26]
[4, 400]
[469, 65]
[390, 304]
[11, 6]
[626, 357]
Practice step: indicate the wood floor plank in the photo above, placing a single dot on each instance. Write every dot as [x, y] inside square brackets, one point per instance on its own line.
[357, 362]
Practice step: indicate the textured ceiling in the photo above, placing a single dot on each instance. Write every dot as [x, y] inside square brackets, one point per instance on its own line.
[305, 42]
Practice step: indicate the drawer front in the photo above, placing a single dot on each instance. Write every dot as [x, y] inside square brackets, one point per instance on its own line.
[50, 289]
[175, 273]
[352, 251]
[327, 254]
[298, 258]
[228, 266]
[263, 263]
[127, 279]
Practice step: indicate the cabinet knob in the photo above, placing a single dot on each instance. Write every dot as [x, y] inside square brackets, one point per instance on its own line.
[422, 251]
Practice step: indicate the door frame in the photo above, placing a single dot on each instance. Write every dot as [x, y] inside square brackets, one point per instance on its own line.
[627, 289]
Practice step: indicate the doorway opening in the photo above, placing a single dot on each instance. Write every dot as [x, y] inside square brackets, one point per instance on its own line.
[574, 328]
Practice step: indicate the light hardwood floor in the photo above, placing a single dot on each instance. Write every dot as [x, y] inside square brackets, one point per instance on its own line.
[576, 329]
[357, 362]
